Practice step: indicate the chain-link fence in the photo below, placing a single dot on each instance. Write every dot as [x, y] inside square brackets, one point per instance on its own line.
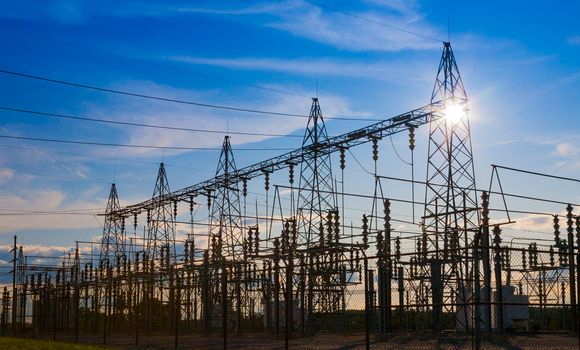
[515, 296]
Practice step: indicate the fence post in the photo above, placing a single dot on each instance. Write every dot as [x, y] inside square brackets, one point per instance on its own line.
[302, 294]
[239, 298]
[4, 311]
[177, 303]
[485, 249]
[382, 298]
[289, 304]
[401, 298]
[277, 286]
[498, 282]
[108, 276]
[477, 295]
[371, 293]
[224, 305]
[77, 301]
[367, 313]
[578, 271]
[53, 300]
[572, 268]
[136, 304]
[437, 295]
[14, 294]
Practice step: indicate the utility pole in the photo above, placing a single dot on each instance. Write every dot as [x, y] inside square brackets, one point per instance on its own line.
[14, 301]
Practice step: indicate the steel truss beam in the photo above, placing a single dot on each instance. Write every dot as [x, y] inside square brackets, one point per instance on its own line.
[414, 118]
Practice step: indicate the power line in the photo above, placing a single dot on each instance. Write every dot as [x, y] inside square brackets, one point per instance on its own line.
[80, 178]
[89, 211]
[397, 153]
[166, 99]
[135, 146]
[373, 21]
[89, 156]
[539, 199]
[172, 100]
[52, 211]
[359, 163]
[108, 121]
[46, 213]
[536, 173]
[158, 65]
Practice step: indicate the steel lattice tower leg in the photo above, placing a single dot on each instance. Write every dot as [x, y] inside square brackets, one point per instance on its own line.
[451, 219]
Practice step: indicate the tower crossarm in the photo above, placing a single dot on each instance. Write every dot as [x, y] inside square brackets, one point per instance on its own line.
[391, 126]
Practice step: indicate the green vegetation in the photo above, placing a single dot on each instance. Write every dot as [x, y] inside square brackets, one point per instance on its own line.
[33, 344]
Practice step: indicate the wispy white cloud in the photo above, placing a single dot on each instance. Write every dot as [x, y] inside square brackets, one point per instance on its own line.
[233, 9]
[345, 32]
[566, 149]
[564, 146]
[334, 28]
[36, 249]
[573, 40]
[531, 60]
[393, 71]
[47, 200]
[569, 78]
[69, 11]
[28, 164]
[77, 12]
[297, 17]
[402, 6]
[6, 174]
[533, 223]
[193, 117]
[54, 198]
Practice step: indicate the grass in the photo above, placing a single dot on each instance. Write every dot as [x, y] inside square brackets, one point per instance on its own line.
[33, 344]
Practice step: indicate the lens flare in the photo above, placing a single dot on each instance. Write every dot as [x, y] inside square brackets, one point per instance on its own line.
[453, 112]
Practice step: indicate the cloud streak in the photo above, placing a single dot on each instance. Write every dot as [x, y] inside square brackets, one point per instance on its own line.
[264, 8]
[47, 200]
[574, 40]
[194, 117]
[393, 71]
[384, 27]
[353, 34]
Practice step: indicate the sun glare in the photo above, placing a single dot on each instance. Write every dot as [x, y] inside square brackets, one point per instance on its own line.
[453, 112]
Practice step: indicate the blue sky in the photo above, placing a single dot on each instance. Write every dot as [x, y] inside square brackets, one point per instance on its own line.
[520, 65]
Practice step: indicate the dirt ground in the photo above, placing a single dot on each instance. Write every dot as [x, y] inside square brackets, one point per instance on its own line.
[333, 341]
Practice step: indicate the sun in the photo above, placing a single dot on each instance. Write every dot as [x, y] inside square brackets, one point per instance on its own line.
[453, 112]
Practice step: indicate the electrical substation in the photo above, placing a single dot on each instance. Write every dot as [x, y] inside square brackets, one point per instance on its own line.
[282, 253]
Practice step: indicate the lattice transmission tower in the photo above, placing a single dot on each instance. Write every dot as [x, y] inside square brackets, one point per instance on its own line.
[226, 234]
[113, 240]
[316, 187]
[319, 227]
[451, 219]
[161, 222]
